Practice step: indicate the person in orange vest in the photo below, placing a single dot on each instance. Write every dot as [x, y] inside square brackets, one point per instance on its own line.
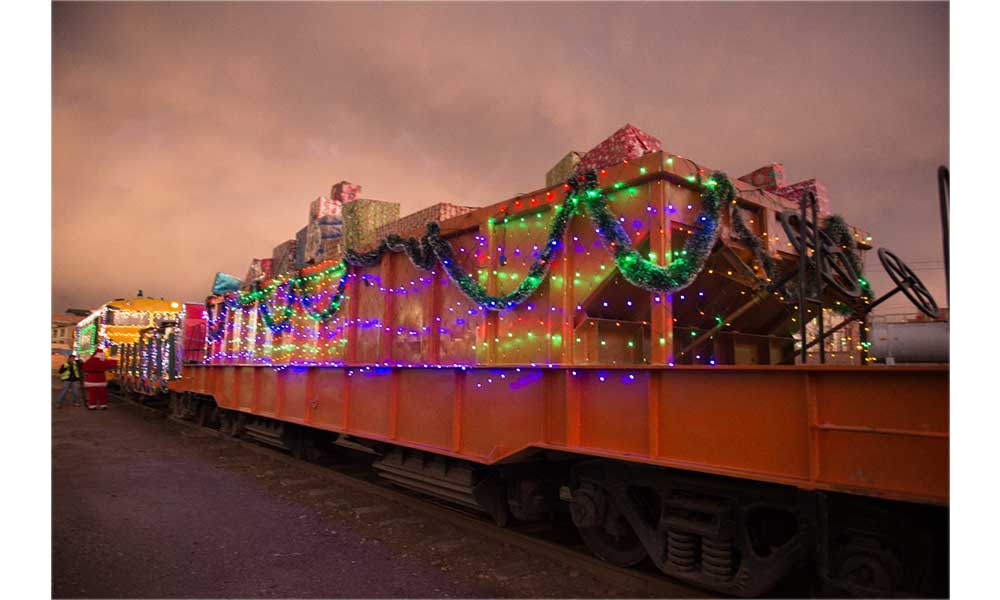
[94, 380]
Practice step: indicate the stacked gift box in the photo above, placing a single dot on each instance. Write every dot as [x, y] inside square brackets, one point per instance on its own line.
[300, 247]
[260, 269]
[628, 143]
[332, 249]
[769, 177]
[345, 191]
[325, 225]
[224, 282]
[283, 258]
[793, 194]
[326, 211]
[414, 224]
[363, 217]
[563, 169]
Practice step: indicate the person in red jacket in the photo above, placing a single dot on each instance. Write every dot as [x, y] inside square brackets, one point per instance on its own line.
[94, 380]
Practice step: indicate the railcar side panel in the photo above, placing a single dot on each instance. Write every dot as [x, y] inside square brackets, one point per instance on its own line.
[874, 430]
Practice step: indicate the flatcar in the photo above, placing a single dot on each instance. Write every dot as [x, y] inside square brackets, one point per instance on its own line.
[646, 346]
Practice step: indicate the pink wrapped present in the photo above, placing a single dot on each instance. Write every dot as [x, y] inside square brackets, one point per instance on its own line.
[345, 191]
[326, 211]
[769, 177]
[793, 193]
[260, 269]
[415, 224]
[628, 143]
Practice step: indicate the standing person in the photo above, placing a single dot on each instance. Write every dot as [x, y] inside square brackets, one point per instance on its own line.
[71, 374]
[94, 380]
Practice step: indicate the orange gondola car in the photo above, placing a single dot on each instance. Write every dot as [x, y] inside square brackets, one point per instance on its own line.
[698, 427]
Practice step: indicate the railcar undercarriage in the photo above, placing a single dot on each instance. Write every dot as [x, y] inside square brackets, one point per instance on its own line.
[729, 535]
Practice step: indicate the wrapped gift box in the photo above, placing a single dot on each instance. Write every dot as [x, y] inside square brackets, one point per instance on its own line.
[345, 191]
[363, 217]
[415, 224]
[326, 211]
[283, 258]
[793, 194]
[563, 169]
[331, 249]
[314, 238]
[628, 143]
[769, 177]
[260, 268]
[330, 231]
[224, 282]
[300, 247]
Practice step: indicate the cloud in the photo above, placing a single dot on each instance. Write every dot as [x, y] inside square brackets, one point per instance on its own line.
[189, 138]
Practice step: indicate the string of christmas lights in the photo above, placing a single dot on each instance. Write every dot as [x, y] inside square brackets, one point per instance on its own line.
[432, 248]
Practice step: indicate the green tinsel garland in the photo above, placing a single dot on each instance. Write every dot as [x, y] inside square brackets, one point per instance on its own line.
[431, 248]
[836, 227]
[682, 270]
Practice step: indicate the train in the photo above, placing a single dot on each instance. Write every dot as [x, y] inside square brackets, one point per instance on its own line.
[644, 345]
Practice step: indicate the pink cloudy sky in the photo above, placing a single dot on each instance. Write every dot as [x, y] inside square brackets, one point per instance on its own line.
[189, 138]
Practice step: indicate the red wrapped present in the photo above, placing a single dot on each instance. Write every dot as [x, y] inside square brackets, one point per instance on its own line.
[769, 177]
[345, 191]
[793, 194]
[628, 143]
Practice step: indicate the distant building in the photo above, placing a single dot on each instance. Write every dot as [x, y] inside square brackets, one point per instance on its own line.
[63, 337]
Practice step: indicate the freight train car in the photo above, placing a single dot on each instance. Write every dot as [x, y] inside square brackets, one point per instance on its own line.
[631, 346]
[148, 363]
[120, 321]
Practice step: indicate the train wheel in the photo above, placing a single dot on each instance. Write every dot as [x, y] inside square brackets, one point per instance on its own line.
[865, 568]
[603, 528]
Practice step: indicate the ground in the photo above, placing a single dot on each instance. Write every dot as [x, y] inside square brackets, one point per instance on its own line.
[145, 507]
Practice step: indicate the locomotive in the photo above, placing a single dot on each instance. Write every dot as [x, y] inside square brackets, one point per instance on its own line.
[676, 358]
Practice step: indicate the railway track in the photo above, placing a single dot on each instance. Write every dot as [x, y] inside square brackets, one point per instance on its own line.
[560, 545]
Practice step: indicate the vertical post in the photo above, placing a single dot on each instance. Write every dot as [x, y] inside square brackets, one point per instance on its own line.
[456, 410]
[654, 391]
[863, 338]
[567, 355]
[944, 193]
[433, 307]
[819, 265]
[353, 310]
[310, 397]
[573, 416]
[803, 250]
[385, 339]
[492, 317]
[661, 318]
[394, 375]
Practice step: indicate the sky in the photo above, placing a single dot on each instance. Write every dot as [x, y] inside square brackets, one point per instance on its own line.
[189, 138]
